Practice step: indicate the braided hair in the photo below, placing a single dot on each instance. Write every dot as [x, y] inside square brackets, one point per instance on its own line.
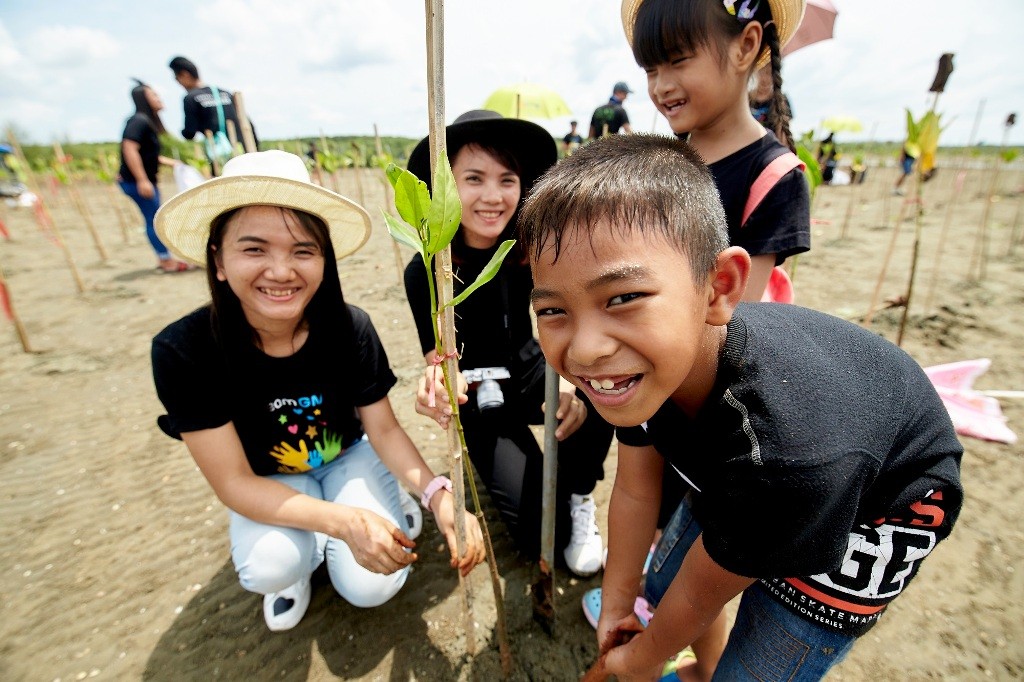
[778, 116]
[666, 26]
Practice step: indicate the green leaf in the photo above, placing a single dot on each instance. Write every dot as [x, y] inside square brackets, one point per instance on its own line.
[445, 212]
[813, 172]
[403, 233]
[411, 196]
[487, 274]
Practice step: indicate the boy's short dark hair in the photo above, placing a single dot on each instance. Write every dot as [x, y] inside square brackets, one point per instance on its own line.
[179, 64]
[644, 183]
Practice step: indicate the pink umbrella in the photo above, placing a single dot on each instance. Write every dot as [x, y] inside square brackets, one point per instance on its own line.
[819, 19]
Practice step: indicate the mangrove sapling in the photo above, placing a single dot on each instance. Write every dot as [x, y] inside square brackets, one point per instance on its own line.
[428, 223]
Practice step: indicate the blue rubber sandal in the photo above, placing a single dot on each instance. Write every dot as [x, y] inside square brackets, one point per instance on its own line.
[592, 608]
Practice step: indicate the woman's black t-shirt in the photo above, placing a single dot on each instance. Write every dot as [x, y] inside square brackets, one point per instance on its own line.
[140, 129]
[292, 414]
[493, 325]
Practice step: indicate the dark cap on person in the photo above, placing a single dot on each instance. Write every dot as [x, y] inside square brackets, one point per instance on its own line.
[532, 146]
[621, 87]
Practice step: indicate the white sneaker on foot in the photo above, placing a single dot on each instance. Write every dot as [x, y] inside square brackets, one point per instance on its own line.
[585, 549]
[413, 514]
[283, 610]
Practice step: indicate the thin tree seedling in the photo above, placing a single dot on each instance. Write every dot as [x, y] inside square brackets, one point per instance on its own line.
[428, 223]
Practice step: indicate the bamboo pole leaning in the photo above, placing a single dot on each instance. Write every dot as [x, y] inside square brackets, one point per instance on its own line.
[76, 199]
[445, 291]
[43, 217]
[248, 137]
[445, 285]
[115, 195]
[388, 201]
[11, 313]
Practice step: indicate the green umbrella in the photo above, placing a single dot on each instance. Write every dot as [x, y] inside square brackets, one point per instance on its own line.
[527, 100]
[842, 124]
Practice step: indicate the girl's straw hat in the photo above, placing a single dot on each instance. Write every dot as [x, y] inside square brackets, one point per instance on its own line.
[532, 146]
[273, 178]
[786, 14]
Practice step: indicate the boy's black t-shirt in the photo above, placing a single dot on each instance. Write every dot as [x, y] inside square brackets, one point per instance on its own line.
[292, 414]
[781, 223]
[140, 129]
[822, 462]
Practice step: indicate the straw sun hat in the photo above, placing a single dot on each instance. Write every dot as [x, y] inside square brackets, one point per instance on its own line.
[786, 14]
[272, 178]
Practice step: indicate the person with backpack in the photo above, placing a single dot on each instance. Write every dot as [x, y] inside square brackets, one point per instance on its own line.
[609, 118]
[207, 107]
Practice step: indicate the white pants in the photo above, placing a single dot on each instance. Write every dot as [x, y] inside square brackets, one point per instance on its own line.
[270, 558]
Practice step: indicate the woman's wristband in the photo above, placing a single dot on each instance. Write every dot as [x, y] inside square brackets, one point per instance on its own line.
[433, 487]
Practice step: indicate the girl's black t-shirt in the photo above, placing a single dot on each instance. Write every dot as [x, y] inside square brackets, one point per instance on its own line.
[292, 414]
[781, 223]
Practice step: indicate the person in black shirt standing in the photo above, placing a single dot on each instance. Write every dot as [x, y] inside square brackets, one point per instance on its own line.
[572, 139]
[140, 160]
[200, 104]
[609, 118]
[495, 161]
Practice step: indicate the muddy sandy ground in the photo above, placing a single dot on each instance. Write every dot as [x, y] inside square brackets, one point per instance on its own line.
[115, 563]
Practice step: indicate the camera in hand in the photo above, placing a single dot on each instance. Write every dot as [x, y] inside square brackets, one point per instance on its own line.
[488, 391]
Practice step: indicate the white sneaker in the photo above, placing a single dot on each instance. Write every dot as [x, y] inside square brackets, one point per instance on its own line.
[585, 549]
[283, 610]
[413, 514]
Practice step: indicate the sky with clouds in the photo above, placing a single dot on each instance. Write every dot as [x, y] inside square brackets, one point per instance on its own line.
[341, 66]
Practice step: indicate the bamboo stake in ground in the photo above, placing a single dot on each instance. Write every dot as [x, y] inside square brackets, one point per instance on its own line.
[929, 148]
[115, 195]
[42, 214]
[446, 323]
[958, 187]
[885, 262]
[445, 291]
[76, 199]
[232, 135]
[979, 255]
[8, 306]
[544, 588]
[357, 166]
[388, 201]
[214, 166]
[248, 138]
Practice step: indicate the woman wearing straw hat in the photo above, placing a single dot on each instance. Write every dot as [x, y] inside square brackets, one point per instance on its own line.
[495, 161]
[280, 391]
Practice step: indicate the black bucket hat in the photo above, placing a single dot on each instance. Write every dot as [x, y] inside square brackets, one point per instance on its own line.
[532, 146]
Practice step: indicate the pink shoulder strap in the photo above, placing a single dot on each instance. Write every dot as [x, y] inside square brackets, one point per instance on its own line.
[768, 178]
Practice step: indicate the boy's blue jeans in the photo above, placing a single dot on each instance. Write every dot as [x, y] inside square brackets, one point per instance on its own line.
[767, 642]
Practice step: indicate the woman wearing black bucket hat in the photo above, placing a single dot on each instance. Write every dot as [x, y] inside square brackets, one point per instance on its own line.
[495, 161]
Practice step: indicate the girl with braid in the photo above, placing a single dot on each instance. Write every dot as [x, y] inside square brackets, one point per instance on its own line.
[699, 56]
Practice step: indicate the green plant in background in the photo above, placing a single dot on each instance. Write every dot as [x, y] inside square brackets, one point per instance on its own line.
[923, 139]
[329, 161]
[813, 170]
